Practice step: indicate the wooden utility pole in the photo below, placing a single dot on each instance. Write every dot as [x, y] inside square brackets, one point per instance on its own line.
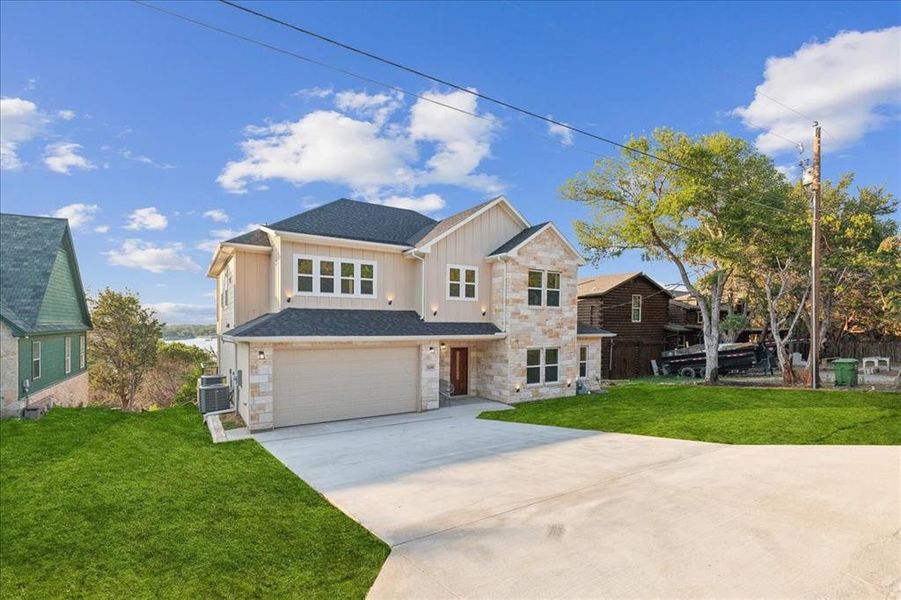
[814, 354]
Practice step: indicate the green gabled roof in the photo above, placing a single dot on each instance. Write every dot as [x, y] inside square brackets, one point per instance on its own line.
[36, 253]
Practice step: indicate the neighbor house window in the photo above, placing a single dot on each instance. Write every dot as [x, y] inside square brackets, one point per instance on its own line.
[323, 276]
[544, 288]
[636, 308]
[583, 361]
[68, 343]
[462, 282]
[533, 366]
[82, 352]
[542, 365]
[35, 360]
[700, 317]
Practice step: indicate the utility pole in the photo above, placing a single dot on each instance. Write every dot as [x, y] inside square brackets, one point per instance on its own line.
[814, 354]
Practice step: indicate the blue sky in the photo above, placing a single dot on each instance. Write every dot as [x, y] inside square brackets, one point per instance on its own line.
[150, 131]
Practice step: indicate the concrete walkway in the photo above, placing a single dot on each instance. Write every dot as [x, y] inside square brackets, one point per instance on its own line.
[485, 509]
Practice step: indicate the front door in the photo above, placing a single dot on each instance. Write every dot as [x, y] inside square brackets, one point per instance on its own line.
[459, 376]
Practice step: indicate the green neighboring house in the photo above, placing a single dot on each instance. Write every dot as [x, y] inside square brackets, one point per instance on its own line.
[44, 316]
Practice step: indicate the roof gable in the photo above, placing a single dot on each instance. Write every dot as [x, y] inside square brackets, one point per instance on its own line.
[428, 237]
[354, 220]
[602, 284]
[40, 285]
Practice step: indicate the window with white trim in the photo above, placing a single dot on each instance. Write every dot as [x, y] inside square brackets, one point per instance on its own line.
[544, 288]
[226, 287]
[583, 361]
[636, 308]
[462, 282]
[35, 360]
[68, 343]
[700, 317]
[542, 365]
[327, 276]
[82, 352]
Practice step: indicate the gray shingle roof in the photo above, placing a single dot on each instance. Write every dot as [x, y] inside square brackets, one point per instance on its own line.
[257, 237]
[586, 329]
[350, 219]
[517, 239]
[28, 248]
[333, 322]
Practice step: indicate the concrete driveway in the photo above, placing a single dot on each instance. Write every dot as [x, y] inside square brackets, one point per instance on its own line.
[479, 509]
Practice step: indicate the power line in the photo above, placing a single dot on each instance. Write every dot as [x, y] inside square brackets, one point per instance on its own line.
[421, 96]
[794, 110]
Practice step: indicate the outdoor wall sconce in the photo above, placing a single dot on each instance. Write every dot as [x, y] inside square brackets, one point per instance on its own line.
[434, 312]
[484, 312]
[517, 388]
[288, 300]
[390, 302]
[390, 298]
[431, 349]
[443, 345]
[261, 355]
[569, 383]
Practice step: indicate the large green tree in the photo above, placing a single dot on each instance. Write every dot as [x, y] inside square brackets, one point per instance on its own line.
[123, 344]
[694, 208]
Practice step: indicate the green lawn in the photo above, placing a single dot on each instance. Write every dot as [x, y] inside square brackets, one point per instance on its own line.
[99, 503]
[728, 415]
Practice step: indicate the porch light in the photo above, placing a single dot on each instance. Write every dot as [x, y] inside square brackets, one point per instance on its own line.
[390, 298]
[517, 388]
[443, 345]
[261, 355]
[484, 312]
[434, 311]
[431, 349]
[569, 383]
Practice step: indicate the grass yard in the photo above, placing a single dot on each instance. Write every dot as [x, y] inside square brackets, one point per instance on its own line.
[99, 503]
[729, 415]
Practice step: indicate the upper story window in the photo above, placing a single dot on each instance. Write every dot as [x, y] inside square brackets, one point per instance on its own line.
[462, 282]
[226, 288]
[68, 363]
[636, 308]
[700, 317]
[544, 288]
[82, 351]
[326, 276]
[35, 360]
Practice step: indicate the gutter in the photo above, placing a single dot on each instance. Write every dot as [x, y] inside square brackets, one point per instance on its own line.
[295, 339]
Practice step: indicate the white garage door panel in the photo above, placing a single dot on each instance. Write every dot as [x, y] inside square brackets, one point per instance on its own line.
[312, 386]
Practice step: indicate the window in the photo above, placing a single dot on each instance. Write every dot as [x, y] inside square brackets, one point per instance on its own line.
[35, 360]
[544, 288]
[550, 364]
[533, 366]
[536, 283]
[305, 275]
[326, 277]
[226, 286]
[348, 277]
[636, 308]
[553, 289]
[583, 361]
[542, 362]
[323, 276]
[462, 282]
[82, 352]
[68, 341]
[700, 316]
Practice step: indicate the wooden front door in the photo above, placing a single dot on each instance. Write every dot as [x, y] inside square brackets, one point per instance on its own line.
[459, 370]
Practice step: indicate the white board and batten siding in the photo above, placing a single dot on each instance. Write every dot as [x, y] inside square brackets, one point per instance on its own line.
[315, 386]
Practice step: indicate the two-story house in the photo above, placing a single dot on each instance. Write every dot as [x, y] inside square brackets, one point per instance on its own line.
[355, 309]
[44, 316]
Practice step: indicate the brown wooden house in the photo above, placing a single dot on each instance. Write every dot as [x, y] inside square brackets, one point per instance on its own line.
[634, 307]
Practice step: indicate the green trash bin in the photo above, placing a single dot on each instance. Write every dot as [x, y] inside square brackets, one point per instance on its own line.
[845, 372]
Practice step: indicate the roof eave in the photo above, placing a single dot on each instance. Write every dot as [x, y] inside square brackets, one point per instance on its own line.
[359, 338]
[336, 241]
[498, 200]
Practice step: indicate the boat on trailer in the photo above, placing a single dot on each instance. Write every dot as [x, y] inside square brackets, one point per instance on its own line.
[739, 357]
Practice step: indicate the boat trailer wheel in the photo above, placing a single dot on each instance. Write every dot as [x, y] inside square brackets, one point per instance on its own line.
[687, 372]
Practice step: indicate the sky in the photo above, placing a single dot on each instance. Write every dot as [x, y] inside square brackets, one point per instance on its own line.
[157, 137]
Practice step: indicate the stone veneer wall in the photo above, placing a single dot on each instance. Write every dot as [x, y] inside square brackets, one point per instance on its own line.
[534, 326]
[428, 375]
[72, 391]
[260, 387]
[9, 366]
[592, 381]
[477, 364]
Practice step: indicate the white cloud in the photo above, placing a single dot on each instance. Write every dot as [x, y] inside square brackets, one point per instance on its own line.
[216, 214]
[20, 122]
[426, 203]
[101, 229]
[144, 160]
[219, 235]
[138, 254]
[62, 157]
[851, 84]
[791, 171]
[147, 218]
[66, 115]
[78, 214]
[178, 312]
[367, 147]
[313, 93]
[562, 133]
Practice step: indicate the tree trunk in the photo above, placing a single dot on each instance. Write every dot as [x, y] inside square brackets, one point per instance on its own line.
[712, 355]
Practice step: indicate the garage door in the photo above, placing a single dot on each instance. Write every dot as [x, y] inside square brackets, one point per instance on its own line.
[312, 386]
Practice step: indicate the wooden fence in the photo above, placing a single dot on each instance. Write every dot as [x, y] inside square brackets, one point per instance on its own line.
[851, 348]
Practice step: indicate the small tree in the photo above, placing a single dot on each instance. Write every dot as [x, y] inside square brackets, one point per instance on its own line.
[123, 344]
[697, 217]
